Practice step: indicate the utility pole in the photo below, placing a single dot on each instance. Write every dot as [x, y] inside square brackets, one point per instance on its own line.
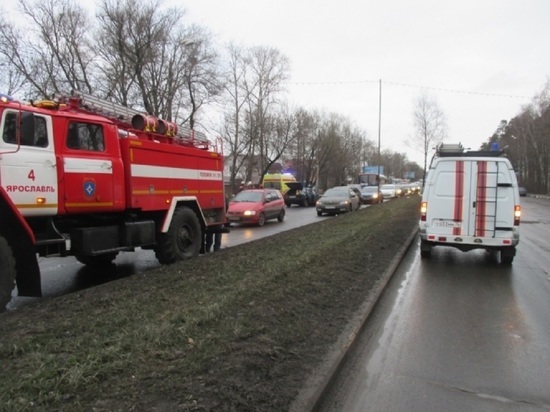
[379, 128]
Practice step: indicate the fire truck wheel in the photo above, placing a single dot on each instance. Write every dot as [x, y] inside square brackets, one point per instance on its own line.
[183, 239]
[7, 273]
[97, 261]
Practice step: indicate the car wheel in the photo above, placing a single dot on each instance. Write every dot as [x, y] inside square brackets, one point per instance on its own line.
[281, 216]
[261, 220]
[319, 213]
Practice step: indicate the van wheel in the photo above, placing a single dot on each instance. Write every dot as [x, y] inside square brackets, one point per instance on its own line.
[182, 240]
[425, 249]
[506, 260]
[507, 256]
[7, 273]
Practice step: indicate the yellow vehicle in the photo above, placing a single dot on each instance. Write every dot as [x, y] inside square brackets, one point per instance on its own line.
[277, 181]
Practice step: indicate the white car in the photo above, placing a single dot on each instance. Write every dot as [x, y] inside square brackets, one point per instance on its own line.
[389, 191]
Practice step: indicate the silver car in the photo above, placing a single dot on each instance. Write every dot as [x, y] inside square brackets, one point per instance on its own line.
[340, 199]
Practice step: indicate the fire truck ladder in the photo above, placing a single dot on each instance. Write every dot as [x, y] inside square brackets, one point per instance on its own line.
[122, 114]
[113, 111]
[487, 196]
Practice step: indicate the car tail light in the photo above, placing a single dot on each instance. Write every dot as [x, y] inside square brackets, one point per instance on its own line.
[423, 211]
[517, 214]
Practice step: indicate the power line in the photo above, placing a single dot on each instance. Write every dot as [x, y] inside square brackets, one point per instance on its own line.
[439, 89]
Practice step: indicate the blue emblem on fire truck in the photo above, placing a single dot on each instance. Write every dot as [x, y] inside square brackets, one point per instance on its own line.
[89, 188]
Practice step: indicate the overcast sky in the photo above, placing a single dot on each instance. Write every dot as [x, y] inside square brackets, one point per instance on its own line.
[481, 59]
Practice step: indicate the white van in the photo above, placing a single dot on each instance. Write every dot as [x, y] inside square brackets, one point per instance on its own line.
[470, 201]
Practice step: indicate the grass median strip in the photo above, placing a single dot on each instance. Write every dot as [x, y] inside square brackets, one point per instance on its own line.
[235, 330]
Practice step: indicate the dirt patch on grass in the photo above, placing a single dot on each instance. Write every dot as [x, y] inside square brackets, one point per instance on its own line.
[238, 330]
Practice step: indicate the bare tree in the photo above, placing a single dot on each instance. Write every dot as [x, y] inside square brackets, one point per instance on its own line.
[130, 41]
[268, 71]
[281, 129]
[236, 95]
[201, 72]
[304, 148]
[54, 54]
[430, 126]
[150, 56]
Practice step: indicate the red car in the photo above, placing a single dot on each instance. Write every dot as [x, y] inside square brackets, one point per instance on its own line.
[256, 206]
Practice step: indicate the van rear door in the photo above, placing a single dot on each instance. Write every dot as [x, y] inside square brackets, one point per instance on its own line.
[493, 186]
[471, 197]
[448, 205]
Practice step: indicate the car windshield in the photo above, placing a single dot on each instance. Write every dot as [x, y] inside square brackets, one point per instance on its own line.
[388, 187]
[370, 189]
[337, 191]
[248, 197]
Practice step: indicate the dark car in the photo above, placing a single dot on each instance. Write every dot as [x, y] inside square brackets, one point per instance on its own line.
[357, 189]
[371, 195]
[340, 199]
[299, 195]
[522, 191]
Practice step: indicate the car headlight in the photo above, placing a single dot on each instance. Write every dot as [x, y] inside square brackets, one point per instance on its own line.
[319, 203]
[374, 196]
[344, 202]
[249, 212]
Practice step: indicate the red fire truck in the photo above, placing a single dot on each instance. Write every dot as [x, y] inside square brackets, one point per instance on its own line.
[84, 177]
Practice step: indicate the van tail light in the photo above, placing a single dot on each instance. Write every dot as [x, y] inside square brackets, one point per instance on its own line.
[517, 214]
[423, 211]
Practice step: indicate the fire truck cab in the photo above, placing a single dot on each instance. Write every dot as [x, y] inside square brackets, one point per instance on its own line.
[88, 178]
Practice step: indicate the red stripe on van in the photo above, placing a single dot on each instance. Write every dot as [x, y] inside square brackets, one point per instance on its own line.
[481, 198]
[459, 196]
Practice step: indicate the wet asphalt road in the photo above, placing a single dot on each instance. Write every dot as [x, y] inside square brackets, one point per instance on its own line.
[458, 332]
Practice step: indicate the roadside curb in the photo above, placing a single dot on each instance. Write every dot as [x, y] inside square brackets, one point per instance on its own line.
[311, 394]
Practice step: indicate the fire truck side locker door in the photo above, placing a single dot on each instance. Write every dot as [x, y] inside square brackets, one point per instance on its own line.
[29, 175]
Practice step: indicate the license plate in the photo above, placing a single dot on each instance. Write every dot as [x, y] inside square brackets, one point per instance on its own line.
[329, 207]
[447, 223]
[234, 218]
